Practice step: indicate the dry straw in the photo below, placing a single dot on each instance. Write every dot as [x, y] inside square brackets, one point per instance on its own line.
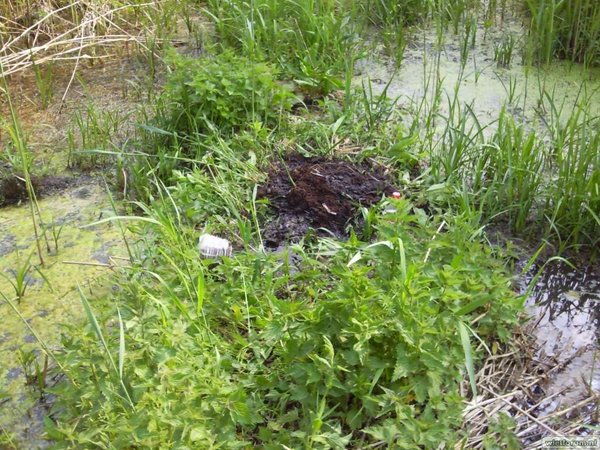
[58, 36]
[512, 383]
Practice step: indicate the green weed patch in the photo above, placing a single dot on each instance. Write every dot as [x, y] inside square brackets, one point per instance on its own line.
[330, 346]
[313, 42]
[226, 92]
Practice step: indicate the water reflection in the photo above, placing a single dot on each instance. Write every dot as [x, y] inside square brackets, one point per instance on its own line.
[564, 308]
[565, 304]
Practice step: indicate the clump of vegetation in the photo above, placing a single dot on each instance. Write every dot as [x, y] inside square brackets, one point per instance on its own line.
[93, 135]
[361, 344]
[20, 278]
[565, 29]
[317, 42]
[387, 12]
[227, 93]
[204, 102]
[313, 42]
[514, 178]
[503, 51]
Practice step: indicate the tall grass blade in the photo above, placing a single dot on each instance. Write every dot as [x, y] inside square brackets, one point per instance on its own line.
[98, 331]
[200, 291]
[121, 344]
[466, 344]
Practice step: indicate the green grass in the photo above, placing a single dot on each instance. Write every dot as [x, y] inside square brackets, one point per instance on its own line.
[94, 133]
[508, 173]
[354, 343]
[44, 78]
[564, 29]
[532, 181]
[504, 51]
[310, 41]
[574, 190]
[19, 281]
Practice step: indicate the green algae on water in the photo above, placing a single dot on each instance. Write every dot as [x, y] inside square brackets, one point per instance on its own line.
[51, 299]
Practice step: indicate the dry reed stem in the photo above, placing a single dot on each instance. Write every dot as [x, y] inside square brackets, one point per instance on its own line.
[512, 383]
[69, 43]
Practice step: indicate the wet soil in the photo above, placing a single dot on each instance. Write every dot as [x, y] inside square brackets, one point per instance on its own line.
[318, 193]
[14, 191]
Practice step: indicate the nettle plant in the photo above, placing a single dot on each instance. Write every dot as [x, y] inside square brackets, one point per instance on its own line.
[351, 345]
[225, 92]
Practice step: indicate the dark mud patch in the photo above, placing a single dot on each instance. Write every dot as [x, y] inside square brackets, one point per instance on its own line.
[8, 243]
[13, 189]
[318, 193]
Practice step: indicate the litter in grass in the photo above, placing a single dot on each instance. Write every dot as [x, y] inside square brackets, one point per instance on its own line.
[213, 247]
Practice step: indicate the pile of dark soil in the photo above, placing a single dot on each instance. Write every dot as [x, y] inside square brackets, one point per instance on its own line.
[318, 193]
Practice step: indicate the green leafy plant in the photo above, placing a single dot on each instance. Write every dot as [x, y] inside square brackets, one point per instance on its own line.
[93, 135]
[55, 231]
[20, 280]
[226, 92]
[503, 51]
[35, 373]
[500, 434]
[389, 12]
[44, 78]
[357, 345]
[513, 175]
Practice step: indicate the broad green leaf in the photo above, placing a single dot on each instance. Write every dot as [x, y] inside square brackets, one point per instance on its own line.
[472, 306]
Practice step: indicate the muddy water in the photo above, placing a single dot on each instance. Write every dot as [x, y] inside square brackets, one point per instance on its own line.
[50, 300]
[565, 310]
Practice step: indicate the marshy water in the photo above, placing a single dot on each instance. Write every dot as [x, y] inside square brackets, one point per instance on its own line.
[81, 256]
[436, 60]
[51, 301]
[564, 307]
[563, 303]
